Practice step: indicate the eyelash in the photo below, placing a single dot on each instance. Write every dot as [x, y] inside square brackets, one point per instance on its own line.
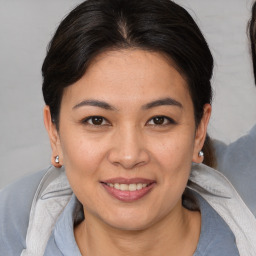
[87, 120]
[169, 120]
[105, 122]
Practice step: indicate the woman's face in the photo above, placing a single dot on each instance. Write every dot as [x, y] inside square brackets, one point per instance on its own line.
[127, 138]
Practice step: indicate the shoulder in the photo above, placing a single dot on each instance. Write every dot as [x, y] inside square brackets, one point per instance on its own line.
[216, 237]
[15, 204]
[223, 198]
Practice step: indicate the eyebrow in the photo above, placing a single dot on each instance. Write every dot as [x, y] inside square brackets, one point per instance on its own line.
[105, 105]
[95, 103]
[162, 102]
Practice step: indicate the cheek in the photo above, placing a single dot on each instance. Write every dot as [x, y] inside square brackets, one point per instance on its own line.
[175, 148]
[81, 155]
[82, 161]
[174, 157]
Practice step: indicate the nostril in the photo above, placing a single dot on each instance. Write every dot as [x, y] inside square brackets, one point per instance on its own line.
[128, 150]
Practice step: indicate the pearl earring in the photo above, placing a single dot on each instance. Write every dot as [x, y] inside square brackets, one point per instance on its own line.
[57, 159]
[201, 153]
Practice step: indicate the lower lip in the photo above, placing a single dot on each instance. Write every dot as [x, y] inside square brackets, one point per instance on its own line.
[128, 196]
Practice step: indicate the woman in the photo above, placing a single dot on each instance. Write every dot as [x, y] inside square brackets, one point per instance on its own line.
[127, 92]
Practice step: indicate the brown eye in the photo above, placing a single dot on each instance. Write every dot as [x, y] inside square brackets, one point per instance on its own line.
[158, 120]
[96, 121]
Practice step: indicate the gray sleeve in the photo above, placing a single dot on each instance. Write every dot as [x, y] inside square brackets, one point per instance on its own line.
[15, 204]
[237, 161]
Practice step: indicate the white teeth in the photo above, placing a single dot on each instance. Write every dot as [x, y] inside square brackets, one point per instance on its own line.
[116, 186]
[132, 187]
[139, 186]
[127, 187]
[124, 187]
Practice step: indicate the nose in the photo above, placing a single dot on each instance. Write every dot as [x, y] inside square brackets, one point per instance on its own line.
[128, 148]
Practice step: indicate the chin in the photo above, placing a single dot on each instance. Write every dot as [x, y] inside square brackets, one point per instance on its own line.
[130, 222]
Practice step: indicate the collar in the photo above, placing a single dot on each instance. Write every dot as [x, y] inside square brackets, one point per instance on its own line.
[208, 180]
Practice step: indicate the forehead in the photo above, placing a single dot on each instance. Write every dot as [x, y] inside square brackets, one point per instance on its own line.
[130, 75]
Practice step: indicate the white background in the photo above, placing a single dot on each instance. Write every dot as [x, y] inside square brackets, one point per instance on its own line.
[26, 26]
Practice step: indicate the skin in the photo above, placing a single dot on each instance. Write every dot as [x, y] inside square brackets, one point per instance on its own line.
[128, 143]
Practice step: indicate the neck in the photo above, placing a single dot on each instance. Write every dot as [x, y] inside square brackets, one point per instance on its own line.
[176, 234]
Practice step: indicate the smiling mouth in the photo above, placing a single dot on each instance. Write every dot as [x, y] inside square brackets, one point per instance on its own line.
[128, 190]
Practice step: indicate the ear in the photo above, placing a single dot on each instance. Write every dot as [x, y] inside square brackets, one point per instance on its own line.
[53, 136]
[201, 134]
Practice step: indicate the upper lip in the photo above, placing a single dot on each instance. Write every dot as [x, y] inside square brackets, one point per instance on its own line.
[122, 180]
